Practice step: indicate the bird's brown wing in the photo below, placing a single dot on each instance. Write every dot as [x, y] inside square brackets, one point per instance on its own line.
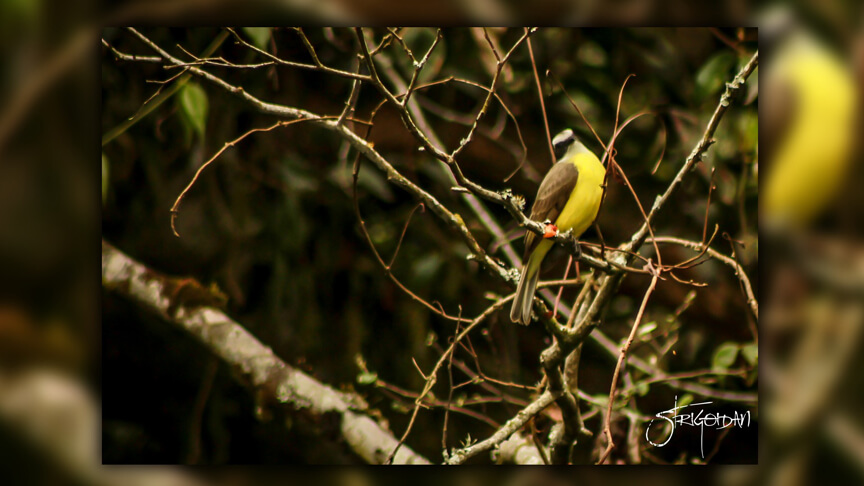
[781, 107]
[551, 197]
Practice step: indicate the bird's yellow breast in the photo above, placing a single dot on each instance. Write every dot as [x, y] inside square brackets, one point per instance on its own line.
[811, 163]
[584, 202]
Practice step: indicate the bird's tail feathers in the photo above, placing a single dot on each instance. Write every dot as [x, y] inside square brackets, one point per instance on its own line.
[524, 299]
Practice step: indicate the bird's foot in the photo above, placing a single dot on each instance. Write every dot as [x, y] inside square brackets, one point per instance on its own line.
[551, 229]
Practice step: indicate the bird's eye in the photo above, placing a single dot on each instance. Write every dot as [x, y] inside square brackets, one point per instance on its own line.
[561, 148]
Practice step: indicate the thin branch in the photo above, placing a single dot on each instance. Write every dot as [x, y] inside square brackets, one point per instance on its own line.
[432, 377]
[155, 101]
[393, 390]
[741, 373]
[561, 290]
[418, 66]
[542, 101]
[449, 394]
[518, 421]
[405, 230]
[468, 120]
[388, 268]
[622, 362]
[752, 303]
[473, 202]
[361, 145]
[612, 350]
[506, 199]
[501, 63]
[176, 207]
[701, 147]
[318, 64]
[401, 41]
[609, 282]
[130, 57]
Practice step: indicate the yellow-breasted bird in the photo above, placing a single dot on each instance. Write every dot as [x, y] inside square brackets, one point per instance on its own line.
[807, 119]
[569, 197]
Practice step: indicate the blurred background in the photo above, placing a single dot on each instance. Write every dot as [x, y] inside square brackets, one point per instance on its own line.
[253, 228]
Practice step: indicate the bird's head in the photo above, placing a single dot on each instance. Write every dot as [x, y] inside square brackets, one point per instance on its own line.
[566, 143]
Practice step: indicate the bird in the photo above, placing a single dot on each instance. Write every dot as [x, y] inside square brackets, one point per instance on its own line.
[569, 197]
[810, 105]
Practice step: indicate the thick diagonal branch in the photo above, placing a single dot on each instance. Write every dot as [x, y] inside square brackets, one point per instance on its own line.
[265, 372]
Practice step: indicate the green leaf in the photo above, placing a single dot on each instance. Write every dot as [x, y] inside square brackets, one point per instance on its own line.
[260, 36]
[367, 378]
[642, 388]
[18, 12]
[748, 129]
[295, 178]
[592, 54]
[193, 104]
[398, 407]
[647, 328]
[425, 267]
[751, 353]
[687, 399]
[376, 184]
[105, 176]
[713, 74]
[724, 356]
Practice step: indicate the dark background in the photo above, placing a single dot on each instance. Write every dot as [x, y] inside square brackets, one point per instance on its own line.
[50, 220]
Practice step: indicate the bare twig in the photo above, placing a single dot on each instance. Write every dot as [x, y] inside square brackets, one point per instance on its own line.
[130, 57]
[449, 394]
[622, 362]
[318, 63]
[432, 377]
[176, 207]
[518, 421]
[361, 145]
[418, 66]
[451, 159]
[393, 390]
[701, 147]
[542, 101]
[154, 101]
[609, 282]
[752, 303]
[612, 349]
